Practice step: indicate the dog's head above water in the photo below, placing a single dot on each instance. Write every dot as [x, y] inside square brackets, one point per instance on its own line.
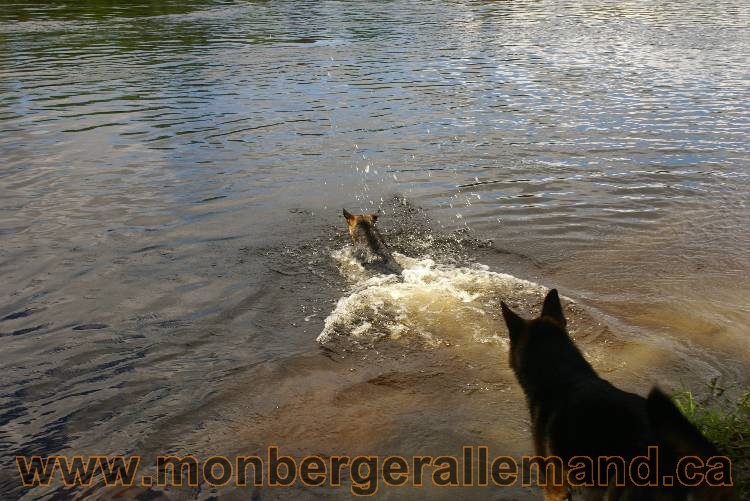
[360, 220]
[369, 247]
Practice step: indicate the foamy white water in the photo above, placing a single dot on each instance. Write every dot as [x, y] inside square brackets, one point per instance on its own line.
[434, 303]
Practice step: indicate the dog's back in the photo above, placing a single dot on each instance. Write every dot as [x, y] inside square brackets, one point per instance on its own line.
[577, 413]
[369, 247]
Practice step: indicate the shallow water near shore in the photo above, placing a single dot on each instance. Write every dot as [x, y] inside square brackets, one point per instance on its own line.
[174, 260]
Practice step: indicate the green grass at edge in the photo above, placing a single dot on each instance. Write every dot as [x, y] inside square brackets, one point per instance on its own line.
[726, 422]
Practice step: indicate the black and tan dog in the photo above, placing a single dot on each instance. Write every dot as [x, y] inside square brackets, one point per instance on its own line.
[574, 412]
[369, 247]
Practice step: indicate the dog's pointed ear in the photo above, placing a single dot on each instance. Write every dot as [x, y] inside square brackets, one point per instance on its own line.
[516, 324]
[552, 307]
[347, 215]
[672, 428]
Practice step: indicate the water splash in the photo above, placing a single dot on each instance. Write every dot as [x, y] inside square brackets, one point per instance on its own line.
[436, 304]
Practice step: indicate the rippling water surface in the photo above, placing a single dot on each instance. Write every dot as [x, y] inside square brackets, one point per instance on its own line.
[171, 180]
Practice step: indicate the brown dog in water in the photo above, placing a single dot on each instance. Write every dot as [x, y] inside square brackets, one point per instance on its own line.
[369, 247]
[575, 413]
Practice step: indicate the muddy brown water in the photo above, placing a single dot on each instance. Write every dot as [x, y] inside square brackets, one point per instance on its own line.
[171, 180]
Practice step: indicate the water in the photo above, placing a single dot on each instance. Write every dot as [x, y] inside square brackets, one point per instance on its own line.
[171, 184]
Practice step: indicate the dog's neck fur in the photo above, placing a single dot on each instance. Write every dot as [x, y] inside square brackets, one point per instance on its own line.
[546, 361]
[367, 237]
[370, 248]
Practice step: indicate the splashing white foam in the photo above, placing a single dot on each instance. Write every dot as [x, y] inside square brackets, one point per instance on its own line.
[434, 303]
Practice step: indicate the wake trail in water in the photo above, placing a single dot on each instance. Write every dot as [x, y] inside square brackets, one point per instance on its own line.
[436, 304]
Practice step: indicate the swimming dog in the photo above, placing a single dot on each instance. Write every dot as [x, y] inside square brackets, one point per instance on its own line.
[575, 413]
[369, 247]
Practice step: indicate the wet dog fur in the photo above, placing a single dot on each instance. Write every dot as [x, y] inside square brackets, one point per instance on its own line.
[369, 247]
[574, 412]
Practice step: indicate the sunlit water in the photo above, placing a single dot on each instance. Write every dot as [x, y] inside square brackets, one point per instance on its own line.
[172, 250]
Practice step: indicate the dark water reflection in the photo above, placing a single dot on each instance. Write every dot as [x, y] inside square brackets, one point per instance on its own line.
[172, 175]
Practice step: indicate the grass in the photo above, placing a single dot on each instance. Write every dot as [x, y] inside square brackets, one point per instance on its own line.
[725, 421]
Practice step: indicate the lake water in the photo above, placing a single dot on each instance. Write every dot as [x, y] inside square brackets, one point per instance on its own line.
[171, 241]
